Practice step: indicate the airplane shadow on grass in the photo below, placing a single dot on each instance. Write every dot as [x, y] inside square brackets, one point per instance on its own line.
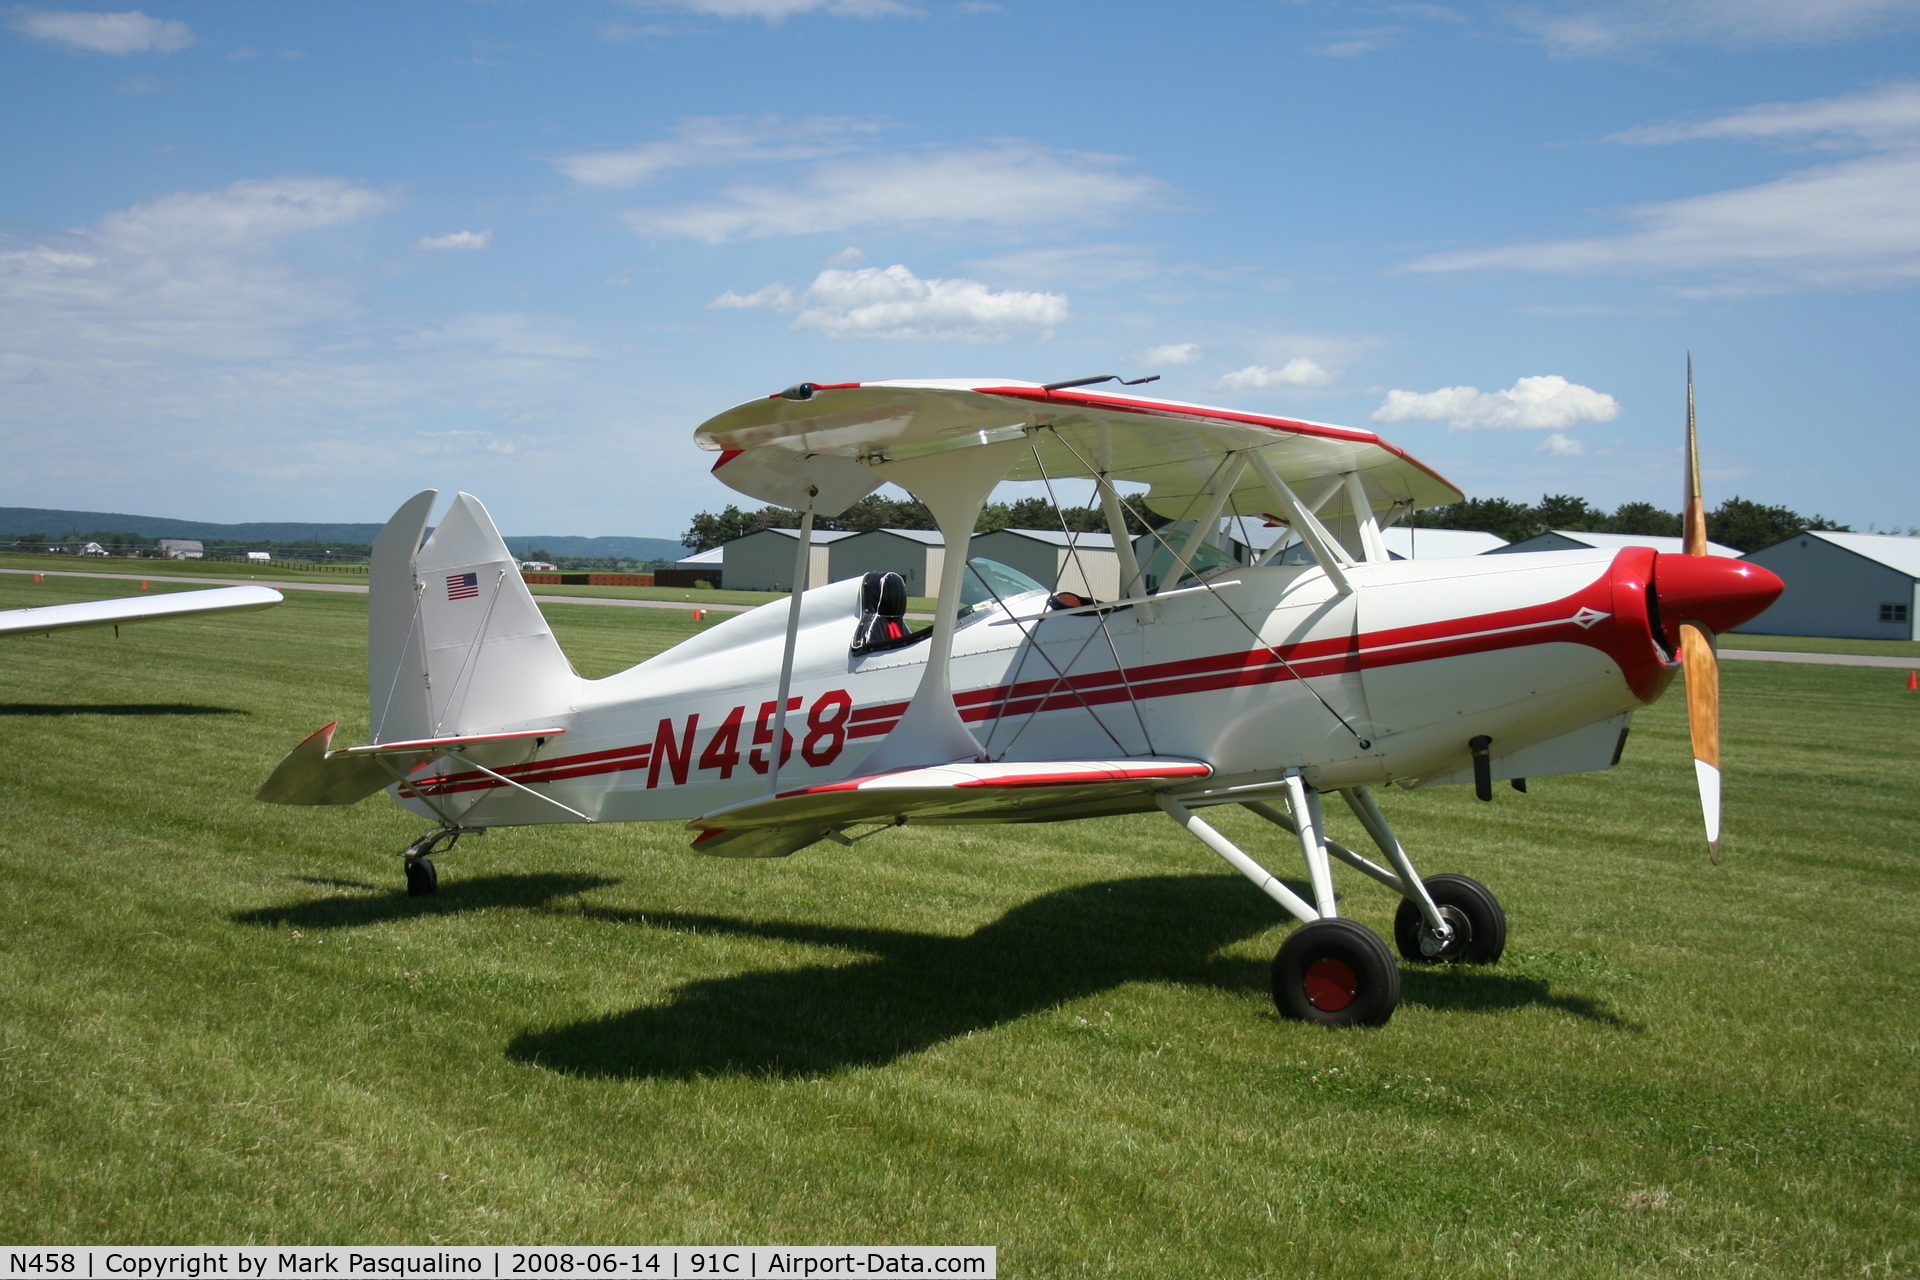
[383, 906]
[909, 991]
[917, 990]
[116, 709]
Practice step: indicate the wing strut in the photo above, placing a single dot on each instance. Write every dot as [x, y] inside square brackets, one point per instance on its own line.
[953, 481]
[802, 579]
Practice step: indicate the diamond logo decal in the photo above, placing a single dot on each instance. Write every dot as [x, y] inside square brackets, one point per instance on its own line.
[1587, 617]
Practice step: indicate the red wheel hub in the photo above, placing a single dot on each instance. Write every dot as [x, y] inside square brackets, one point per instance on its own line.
[1331, 985]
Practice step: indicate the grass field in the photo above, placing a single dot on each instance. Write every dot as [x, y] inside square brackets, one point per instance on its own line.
[224, 1022]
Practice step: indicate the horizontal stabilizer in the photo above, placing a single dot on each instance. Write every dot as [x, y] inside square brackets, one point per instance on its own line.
[962, 791]
[313, 774]
[130, 609]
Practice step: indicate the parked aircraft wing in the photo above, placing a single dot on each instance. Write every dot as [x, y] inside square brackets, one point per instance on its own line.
[772, 449]
[774, 826]
[313, 773]
[130, 609]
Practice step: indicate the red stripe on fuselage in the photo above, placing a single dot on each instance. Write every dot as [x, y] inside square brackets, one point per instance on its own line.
[1613, 594]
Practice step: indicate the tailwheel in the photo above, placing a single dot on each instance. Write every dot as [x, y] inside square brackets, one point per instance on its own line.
[1479, 925]
[422, 879]
[1336, 973]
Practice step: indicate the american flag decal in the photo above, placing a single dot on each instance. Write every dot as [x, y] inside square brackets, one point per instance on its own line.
[463, 586]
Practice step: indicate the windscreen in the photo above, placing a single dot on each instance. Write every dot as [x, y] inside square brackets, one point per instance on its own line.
[985, 579]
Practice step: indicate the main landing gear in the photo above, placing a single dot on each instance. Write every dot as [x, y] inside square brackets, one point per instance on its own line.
[1336, 972]
[423, 880]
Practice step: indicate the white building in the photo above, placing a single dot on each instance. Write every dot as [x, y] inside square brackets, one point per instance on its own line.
[1860, 585]
[181, 549]
[1083, 563]
[763, 561]
[1580, 540]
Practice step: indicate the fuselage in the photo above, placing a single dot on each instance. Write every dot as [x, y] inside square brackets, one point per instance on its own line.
[1254, 672]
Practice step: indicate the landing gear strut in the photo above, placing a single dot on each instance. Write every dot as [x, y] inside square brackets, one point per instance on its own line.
[423, 880]
[1336, 972]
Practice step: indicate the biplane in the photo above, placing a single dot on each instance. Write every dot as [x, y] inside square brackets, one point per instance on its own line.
[1274, 685]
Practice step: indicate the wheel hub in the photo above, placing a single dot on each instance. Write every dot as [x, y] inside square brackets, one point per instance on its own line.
[1331, 984]
[1435, 947]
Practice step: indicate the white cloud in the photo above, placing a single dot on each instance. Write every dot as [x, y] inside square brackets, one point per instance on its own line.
[894, 303]
[1843, 225]
[116, 33]
[1847, 225]
[1589, 30]
[847, 257]
[1167, 355]
[713, 141]
[775, 10]
[1297, 372]
[458, 241]
[1562, 446]
[1352, 44]
[175, 346]
[1085, 265]
[1547, 402]
[1885, 118]
[1009, 185]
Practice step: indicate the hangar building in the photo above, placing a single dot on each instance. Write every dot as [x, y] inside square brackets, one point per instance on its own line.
[914, 554]
[763, 561]
[1860, 585]
[1083, 563]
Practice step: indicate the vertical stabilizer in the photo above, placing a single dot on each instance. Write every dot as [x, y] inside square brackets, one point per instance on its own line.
[456, 644]
[396, 688]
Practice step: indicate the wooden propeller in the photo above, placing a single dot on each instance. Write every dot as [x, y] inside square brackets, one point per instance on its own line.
[1702, 665]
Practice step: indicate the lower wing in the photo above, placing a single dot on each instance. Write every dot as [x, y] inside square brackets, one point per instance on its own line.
[1035, 791]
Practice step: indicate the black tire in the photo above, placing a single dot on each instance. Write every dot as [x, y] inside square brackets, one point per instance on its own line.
[1336, 973]
[422, 879]
[1479, 925]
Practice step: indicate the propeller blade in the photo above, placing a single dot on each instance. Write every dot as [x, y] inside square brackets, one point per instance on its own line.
[1696, 649]
[1693, 511]
[1703, 718]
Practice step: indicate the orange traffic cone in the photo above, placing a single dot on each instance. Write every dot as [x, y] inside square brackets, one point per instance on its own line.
[36, 577]
[1913, 679]
[143, 586]
[699, 615]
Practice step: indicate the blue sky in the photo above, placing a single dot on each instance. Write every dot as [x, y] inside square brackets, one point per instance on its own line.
[298, 261]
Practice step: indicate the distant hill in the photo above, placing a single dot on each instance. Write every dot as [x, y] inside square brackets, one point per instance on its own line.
[53, 523]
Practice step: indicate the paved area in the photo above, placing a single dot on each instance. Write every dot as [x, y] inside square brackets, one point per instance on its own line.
[1824, 659]
[358, 589]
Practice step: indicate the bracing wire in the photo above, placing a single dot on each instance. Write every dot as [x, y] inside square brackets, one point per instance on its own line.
[1253, 631]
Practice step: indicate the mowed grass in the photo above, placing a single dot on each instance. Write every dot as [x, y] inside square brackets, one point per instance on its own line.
[222, 1021]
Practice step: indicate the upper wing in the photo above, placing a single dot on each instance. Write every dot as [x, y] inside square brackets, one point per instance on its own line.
[129, 609]
[774, 826]
[775, 449]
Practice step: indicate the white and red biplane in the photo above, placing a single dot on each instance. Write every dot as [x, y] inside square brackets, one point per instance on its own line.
[1211, 682]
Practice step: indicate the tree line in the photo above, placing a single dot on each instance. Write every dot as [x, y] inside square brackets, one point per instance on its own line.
[713, 528]
[1738, 522]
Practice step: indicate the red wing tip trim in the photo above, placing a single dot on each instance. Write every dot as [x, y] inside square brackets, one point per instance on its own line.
[326, 728]
[426, 744]
[1104, 775]
[727, 457]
